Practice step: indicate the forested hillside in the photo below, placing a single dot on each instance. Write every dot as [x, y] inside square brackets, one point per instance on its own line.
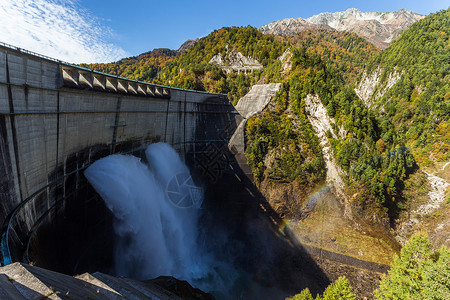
[347, 52]
[191, 69]
[419, 103]
[143, 67]
[378, 167]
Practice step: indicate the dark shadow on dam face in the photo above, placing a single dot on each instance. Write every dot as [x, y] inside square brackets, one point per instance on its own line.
[239, 226]
[75, 235]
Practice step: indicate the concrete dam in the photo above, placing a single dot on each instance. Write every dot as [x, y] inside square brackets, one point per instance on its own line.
[56, 119]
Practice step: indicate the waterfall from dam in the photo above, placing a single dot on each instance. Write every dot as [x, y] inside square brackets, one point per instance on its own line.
[156, 209]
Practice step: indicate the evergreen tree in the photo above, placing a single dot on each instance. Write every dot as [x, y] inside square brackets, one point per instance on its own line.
[339, 290]
[418, 273]
[304, 295]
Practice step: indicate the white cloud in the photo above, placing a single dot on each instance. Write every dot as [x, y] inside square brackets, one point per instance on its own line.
[56, 28]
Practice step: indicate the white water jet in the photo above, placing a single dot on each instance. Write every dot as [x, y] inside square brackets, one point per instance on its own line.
[156, 209]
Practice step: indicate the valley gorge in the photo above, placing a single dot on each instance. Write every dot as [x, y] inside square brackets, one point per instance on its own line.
[315, 154]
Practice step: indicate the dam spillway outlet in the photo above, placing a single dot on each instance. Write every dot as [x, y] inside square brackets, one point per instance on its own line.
[155, 215]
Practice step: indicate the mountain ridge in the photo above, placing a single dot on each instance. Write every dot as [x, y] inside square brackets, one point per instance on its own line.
[378, 28]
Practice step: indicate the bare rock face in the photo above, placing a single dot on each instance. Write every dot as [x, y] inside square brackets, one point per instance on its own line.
[286, 60]
[236, 61]
[377, 28]
[186, 45]
[367, 86]
[291, 26]
[321, 123]
[370, 90]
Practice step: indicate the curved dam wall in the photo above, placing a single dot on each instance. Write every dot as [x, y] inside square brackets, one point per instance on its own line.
[56, 119]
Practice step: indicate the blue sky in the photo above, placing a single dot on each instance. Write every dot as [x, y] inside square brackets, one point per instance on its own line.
[143, 25]
[119, 28]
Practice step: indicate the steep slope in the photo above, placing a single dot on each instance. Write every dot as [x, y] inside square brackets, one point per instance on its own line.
[376, 27]
[418, 101]
[345, 51]
[409, 84]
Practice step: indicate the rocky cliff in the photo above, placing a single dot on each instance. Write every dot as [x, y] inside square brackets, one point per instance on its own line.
[236, 61]
[186, 45]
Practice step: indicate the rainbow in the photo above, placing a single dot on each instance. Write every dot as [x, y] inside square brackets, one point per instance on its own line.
[285, 225]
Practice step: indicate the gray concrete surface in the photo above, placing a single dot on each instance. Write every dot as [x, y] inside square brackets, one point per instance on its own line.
[19, 281]
[257, 99]
[254, 102]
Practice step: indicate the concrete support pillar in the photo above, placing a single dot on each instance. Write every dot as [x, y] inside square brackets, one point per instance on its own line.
[99, 82]
[85, 79]
[132, 88]
[142, 89]
[70, 76]
[166, 92]
[150, 90]
[111, 84]
[122, 86]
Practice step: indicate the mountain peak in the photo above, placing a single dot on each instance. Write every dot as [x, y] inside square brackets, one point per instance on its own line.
[379, 28]
[186, 45]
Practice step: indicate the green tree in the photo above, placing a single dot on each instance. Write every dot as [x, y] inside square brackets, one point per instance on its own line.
[437, 277]
[339, 290]
[418, 273]
[304, 295]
